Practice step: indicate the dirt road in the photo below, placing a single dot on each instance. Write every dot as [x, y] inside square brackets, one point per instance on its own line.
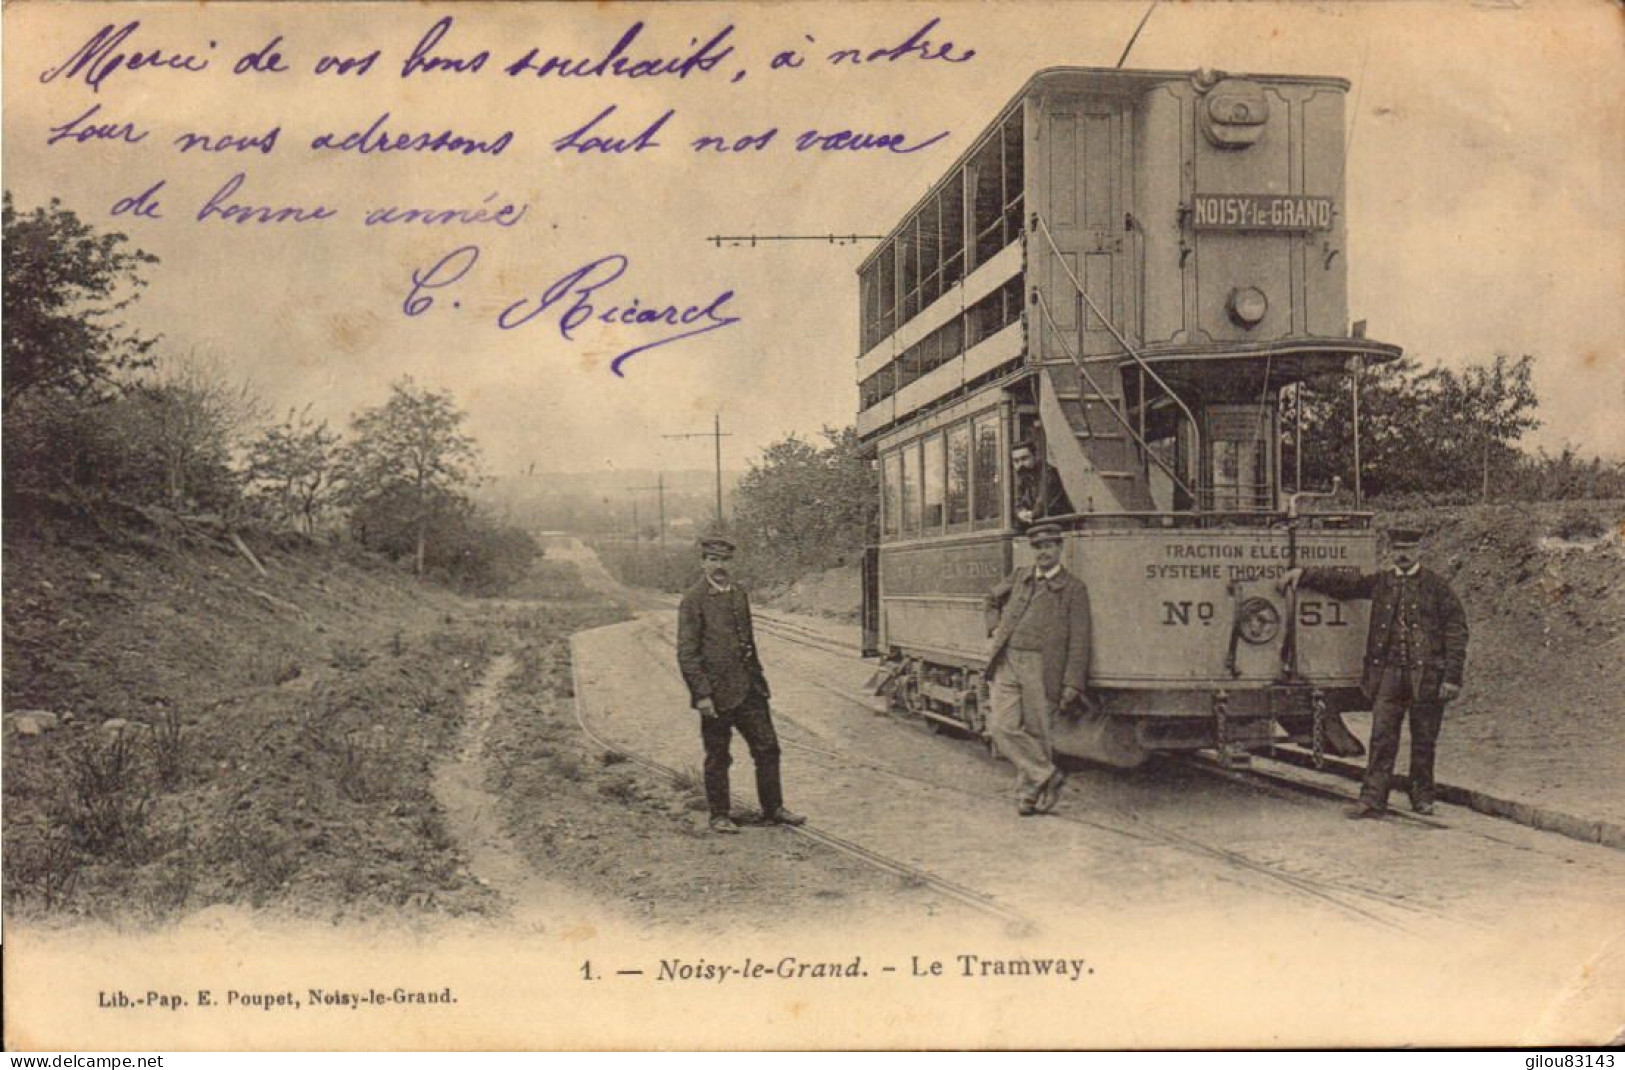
[1187, 861]
[1168, 877]
[1167, 836]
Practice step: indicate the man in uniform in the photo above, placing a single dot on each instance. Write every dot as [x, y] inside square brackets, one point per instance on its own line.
[716, 651]
[1038, 664]
[1038, 488]
[1415, 651]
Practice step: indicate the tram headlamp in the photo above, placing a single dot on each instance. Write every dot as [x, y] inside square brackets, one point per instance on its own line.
[1259, 620]
[1247, 306]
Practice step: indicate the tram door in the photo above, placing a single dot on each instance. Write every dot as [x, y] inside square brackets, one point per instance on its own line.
[1240, 466]
[871, 601]
[1082, 152]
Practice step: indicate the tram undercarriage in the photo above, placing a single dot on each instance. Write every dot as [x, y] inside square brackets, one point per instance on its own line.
[1125, 727]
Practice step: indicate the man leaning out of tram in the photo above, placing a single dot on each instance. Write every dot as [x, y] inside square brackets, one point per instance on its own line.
[1038, 665]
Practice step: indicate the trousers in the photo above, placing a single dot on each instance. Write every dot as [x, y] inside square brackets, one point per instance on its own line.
[1395, 698]
[755, 722]
[1019, 720]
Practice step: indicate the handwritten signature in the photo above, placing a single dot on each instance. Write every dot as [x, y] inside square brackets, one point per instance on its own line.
[575, 300]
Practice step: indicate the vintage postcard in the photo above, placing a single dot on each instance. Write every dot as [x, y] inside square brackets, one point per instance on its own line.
[813, 525]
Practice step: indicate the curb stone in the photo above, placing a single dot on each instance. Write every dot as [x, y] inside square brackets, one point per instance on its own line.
[1586, 830]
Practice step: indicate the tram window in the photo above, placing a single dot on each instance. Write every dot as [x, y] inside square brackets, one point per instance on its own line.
[1238, 458]
[953, 231]
[930, 251]
[891, 492]
[1237, 476]
[986, 180]
[958, 504]
[984, 318]
[878, 387]
[908, 366]
[910, 511]
[1012, 291]
[953, 338]
[869, 287]
[987, 474]
[935, 471]
[931, 351]
[909, 274]
[1014, 177]
[887, 286]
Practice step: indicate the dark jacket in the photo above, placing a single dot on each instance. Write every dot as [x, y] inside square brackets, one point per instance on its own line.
[716, 646]
[1066, 633]
[1438, 633]
[1041, 491]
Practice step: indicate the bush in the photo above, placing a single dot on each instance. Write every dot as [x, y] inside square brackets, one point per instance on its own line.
[648, 565]
[480, 556]
[1580, 525]
[164, 440]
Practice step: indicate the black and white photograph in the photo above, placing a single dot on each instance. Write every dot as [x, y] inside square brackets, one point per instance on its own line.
[808, 526]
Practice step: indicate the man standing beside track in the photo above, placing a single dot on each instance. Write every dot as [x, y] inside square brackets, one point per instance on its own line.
[1038, 664]
[1415, 651]
[716, 651]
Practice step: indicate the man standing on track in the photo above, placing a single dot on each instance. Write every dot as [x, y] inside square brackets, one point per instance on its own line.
[1415, 651]
[716, 651]
[1038, 664]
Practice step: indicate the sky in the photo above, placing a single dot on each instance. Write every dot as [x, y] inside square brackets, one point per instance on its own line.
[1483, 204]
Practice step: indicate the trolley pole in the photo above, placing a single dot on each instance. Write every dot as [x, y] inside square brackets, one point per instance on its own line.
[1359, 499]
[716, 433]
[1297, 435]
[660, 489]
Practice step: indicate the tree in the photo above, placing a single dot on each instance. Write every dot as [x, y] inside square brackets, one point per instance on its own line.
[293, 469]
[409, 462]
[1480, 414]
[64, 287]
[166, 438]
[1390, 451]
[804, 506]
[192, 418]
[1421, 430]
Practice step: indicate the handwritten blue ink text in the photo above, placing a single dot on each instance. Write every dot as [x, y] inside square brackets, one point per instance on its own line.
[99, 58]
[576, 300]
[376, 139]
[221, 206]
[508, 215]
[583, 140]
[80, 130]
[616, 64]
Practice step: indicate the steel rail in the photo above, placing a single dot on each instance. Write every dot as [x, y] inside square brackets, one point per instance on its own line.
[1142, 830]
[970, 897]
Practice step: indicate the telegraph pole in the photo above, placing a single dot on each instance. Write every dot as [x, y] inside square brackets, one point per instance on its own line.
[716, 434]
[660, 488]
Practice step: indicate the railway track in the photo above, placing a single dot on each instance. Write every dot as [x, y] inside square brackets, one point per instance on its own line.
[966, 896]
[1265, 774]
[1353, 901]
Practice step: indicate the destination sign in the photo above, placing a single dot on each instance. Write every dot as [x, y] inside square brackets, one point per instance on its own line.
[1261, 211]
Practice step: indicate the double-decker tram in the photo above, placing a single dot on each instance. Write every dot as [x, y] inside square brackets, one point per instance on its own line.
[1131, 270]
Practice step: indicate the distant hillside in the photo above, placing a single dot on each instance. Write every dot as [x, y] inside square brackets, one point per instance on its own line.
[603, 502]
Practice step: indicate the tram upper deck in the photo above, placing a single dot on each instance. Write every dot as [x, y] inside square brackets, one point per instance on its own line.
[1152, 256]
